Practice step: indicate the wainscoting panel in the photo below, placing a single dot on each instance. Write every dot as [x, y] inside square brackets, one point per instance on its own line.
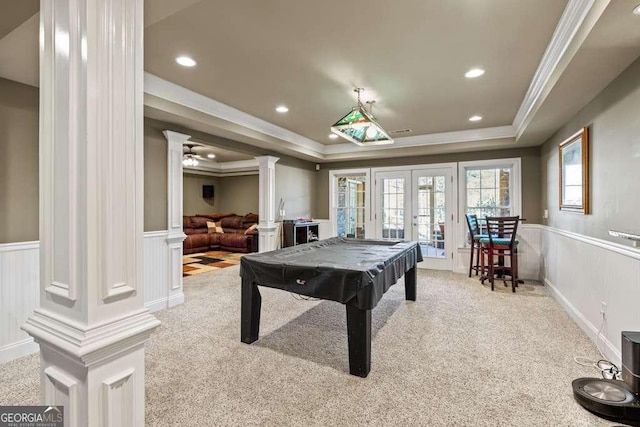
[20, 283]
[19, 296]
[530, 257]
[583, 273]
[156, 270]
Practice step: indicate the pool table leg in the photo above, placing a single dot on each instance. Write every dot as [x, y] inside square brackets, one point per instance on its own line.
[410, 278]
[250, 313]
[359, 336]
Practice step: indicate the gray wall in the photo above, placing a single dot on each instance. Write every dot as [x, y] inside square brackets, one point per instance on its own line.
[238, 194]
[613, 118]
[193, 203]
[155, 178]
[18, 162]
[296, 186]
[531, 177]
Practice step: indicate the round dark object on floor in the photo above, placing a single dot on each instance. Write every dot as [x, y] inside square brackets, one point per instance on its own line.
[611, 399]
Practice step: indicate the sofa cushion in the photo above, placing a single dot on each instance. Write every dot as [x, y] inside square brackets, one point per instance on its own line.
[214, 240]
[250, 218]
[215, 216]
[197, 241]
[199, 221]
[190, 231]
[232, 222]
[186, 222]
[234, 240]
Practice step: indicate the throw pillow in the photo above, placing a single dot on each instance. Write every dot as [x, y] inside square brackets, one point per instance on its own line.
[214, 227]
[211, 226]
[250, 229]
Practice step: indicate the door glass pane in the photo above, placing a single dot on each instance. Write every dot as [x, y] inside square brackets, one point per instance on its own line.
[350, 208]
[430, 219]
[393, 208]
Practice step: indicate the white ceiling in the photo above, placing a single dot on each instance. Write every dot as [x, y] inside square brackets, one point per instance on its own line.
[410, 55]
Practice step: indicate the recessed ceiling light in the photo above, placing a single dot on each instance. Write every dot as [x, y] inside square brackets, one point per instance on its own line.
[475, 118]
[185, 61]
[281, 109]
[474, 72]
[636, 10]
[211, 156]
[333, 136]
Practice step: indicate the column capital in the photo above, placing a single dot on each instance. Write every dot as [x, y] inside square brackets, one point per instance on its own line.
[266, 160]
[173, 136]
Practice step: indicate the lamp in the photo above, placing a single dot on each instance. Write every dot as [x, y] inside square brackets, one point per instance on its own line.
[189, 157]
[359, 126]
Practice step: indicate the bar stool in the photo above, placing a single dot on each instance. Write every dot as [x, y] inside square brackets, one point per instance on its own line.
[474, 240]
[500, 242]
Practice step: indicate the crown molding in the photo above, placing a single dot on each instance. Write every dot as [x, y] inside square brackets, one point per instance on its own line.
[574, 26]
[164, 89]
[240, 167]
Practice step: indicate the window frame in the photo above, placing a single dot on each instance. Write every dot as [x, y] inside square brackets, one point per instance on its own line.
[515, 187]
[333, 183]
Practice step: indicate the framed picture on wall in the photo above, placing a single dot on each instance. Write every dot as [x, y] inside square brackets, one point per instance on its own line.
[574, 172]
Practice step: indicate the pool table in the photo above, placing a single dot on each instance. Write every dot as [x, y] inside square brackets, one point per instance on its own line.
[354, 272]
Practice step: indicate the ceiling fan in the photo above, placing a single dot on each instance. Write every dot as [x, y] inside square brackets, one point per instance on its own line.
[189, 157]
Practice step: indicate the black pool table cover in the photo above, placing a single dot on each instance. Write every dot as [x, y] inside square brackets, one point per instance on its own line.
[354, 272]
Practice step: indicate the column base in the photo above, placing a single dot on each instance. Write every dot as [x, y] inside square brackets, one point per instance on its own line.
[96, 373]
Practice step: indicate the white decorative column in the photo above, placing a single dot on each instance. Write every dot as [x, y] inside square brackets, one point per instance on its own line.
[175, 235]
[267, 204]
[91, 324]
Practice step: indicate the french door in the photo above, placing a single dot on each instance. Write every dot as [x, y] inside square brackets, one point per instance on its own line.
[417, 204]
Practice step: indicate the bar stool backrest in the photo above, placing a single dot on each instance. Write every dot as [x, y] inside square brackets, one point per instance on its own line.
[502, 227]
[472, 222]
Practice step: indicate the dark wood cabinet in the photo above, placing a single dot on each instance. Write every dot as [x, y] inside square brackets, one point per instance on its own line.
[299, 232]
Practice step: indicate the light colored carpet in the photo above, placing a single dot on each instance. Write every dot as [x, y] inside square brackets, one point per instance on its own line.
[460, 355]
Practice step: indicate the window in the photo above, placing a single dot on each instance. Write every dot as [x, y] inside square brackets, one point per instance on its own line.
[349, 202]
[488, 192]
[489, 188]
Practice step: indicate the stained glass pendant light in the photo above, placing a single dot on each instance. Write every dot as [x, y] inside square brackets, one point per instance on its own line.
[360, 127]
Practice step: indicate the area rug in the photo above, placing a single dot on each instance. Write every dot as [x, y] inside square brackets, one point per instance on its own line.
[205, 262]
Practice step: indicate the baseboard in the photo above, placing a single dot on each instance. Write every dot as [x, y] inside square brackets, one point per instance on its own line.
[18, 349]
[589, 328]
[156, 305]
[175, 299]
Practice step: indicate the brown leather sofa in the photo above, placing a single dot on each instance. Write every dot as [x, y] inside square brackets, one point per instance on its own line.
[234, 239]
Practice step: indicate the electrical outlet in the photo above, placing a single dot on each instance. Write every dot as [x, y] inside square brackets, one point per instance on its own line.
[545, 214]
[603, 308]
